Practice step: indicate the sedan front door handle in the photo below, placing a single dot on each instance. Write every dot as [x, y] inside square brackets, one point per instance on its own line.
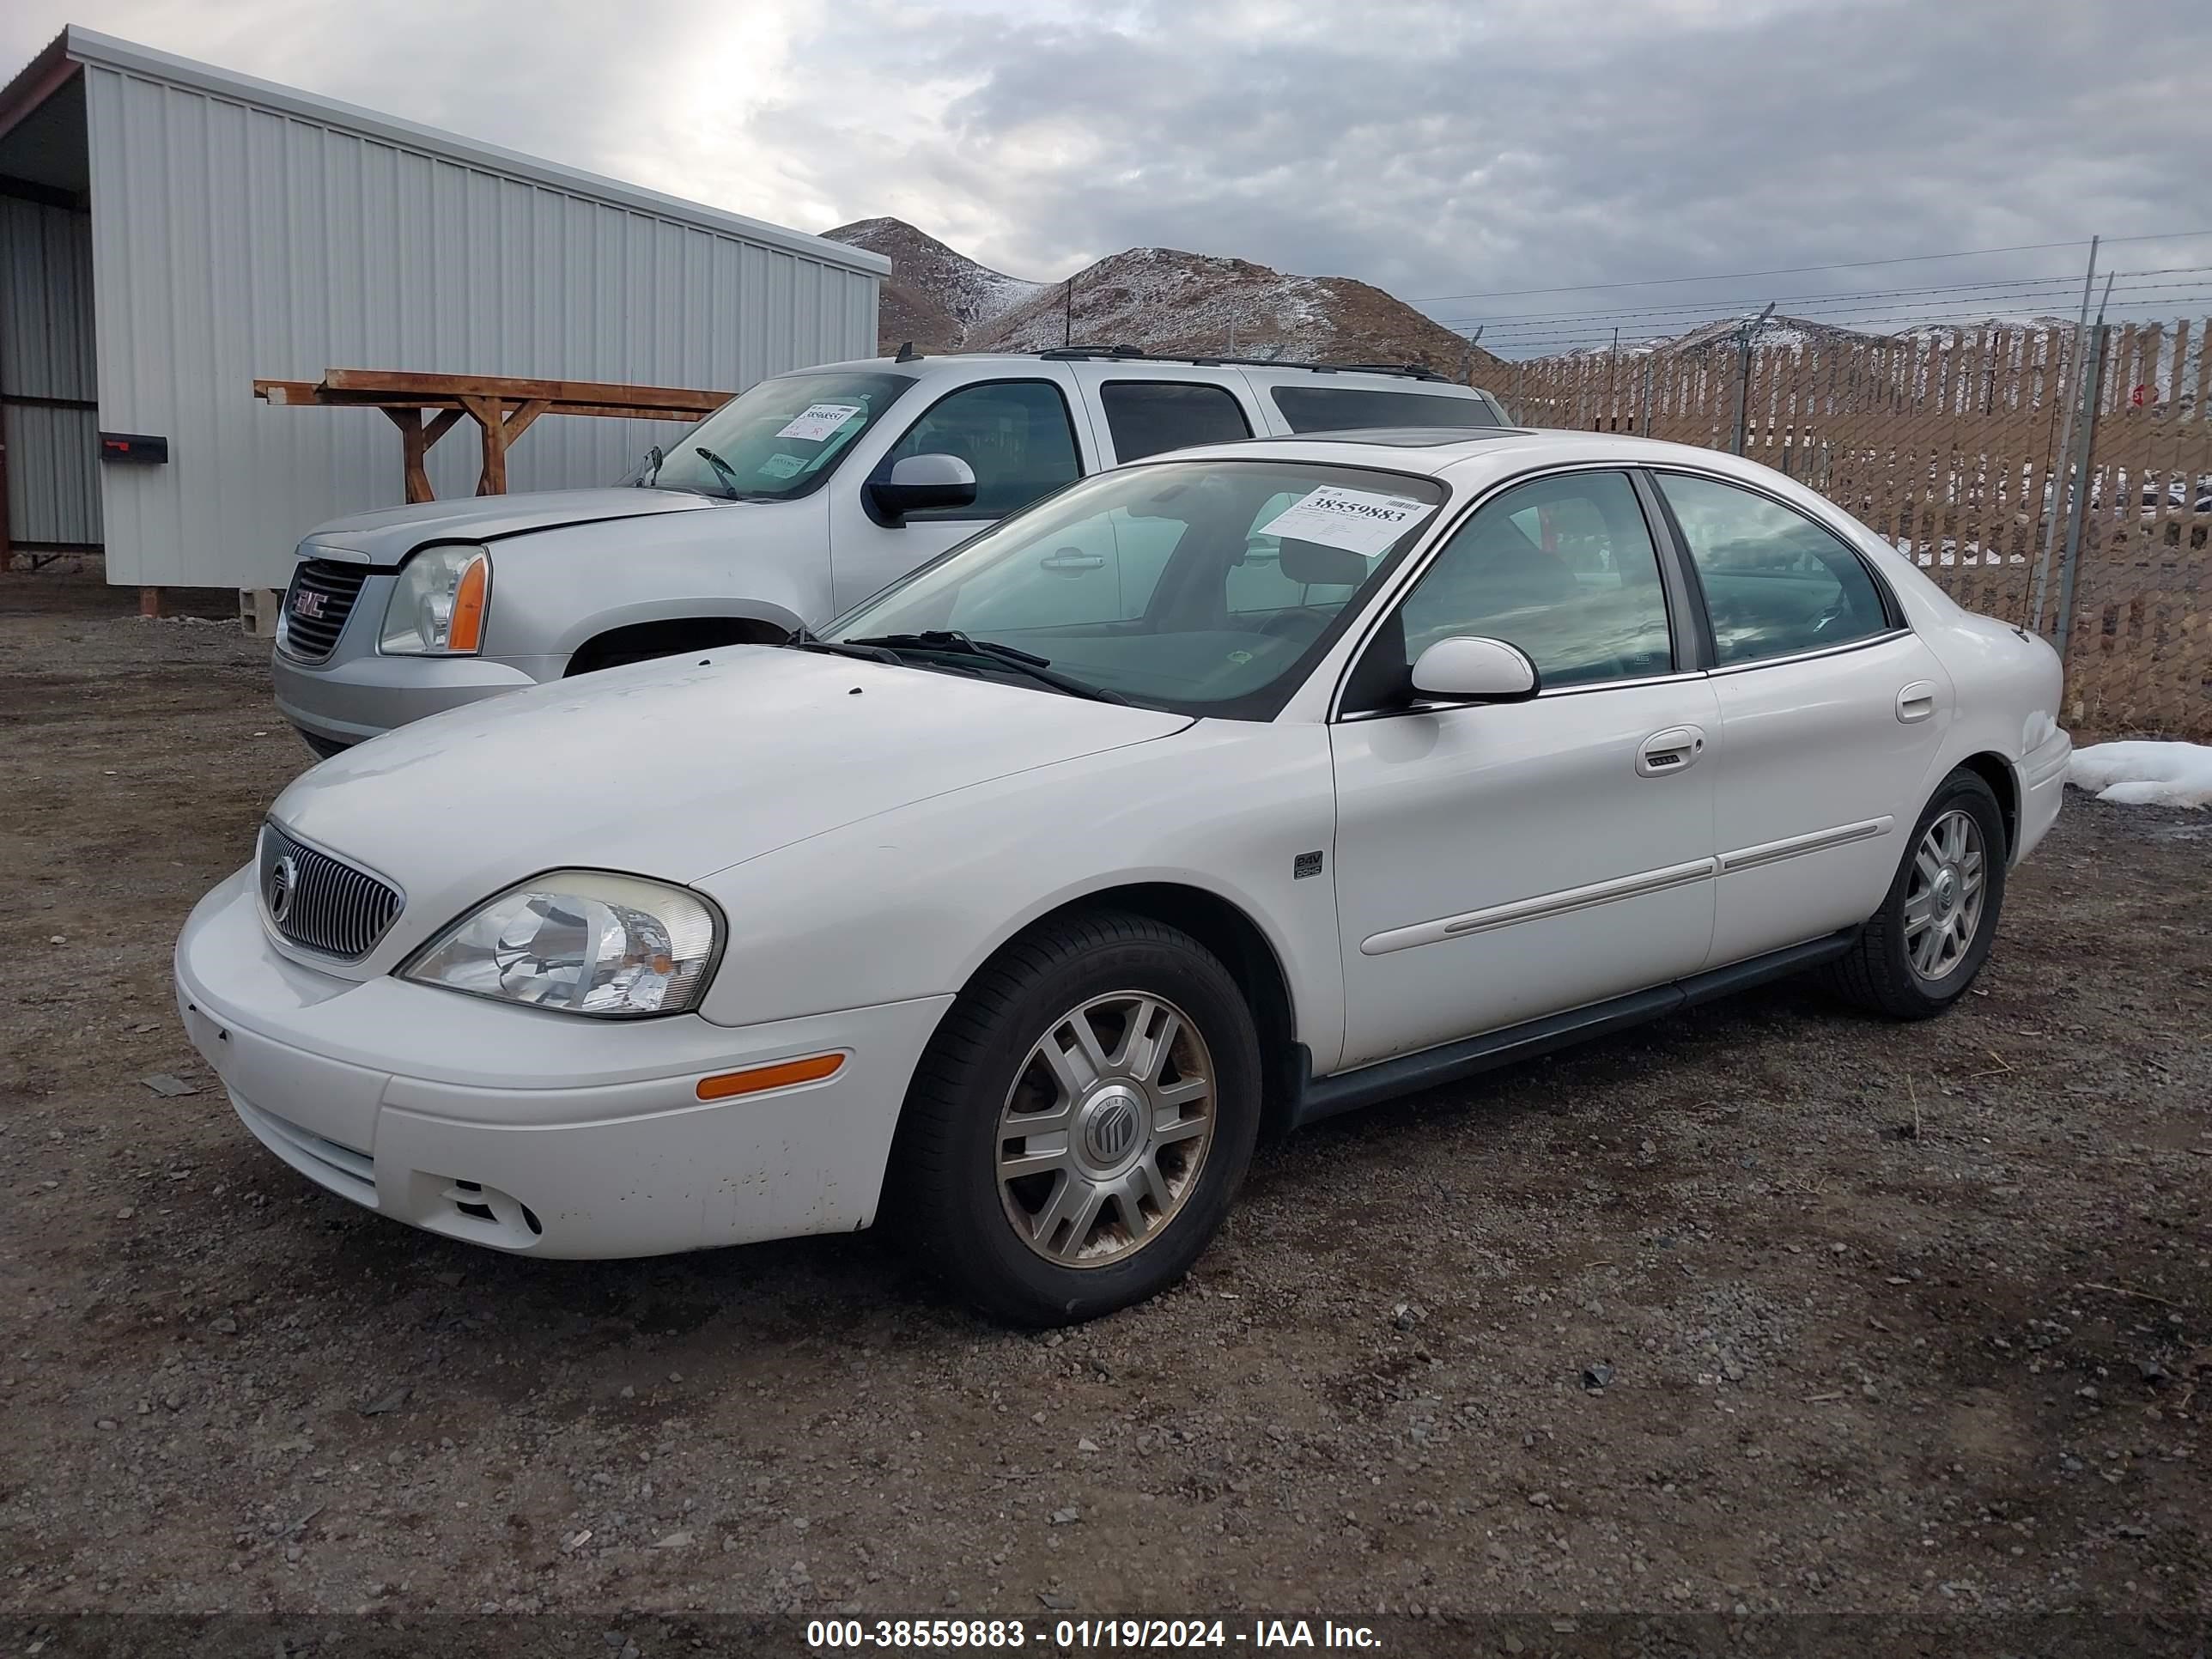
[1674, 749]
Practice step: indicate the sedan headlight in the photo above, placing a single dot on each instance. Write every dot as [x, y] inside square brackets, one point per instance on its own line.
[437, 606]
[582, 942]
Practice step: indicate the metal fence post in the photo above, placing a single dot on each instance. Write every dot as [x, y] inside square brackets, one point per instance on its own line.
[2085, 437]
[2065, 443]
[1743, 370]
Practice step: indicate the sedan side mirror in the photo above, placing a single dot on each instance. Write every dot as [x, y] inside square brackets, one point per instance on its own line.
[1465, 669]
[921, 483]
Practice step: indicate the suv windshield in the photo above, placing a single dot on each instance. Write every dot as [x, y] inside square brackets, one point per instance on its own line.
[778, 441]
[1206, 588]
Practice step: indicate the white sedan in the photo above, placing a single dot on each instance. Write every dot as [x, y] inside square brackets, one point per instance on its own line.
[1206, 798]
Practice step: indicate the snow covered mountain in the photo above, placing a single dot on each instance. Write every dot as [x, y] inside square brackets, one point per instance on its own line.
[935, 296]
[1157, 299]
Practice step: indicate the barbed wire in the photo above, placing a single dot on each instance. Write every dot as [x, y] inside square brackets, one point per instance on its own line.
[1709, 307]
[1797, 271]
[1964, 320]
[2129, 299]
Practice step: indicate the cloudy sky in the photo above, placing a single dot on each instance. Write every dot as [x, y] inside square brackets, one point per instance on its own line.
[1447, 151]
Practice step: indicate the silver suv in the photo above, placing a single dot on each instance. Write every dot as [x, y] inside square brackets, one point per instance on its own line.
[787, 506]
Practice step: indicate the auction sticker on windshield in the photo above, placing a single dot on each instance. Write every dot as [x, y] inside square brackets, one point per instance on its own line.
[1358, 520]
[818, 421]
[780, 466]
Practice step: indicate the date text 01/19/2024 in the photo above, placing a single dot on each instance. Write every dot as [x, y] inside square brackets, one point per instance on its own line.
[1083, 1635]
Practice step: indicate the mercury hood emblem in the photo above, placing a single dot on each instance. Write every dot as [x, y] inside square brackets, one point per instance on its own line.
[283, 884]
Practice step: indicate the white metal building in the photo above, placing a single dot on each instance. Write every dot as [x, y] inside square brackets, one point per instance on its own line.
[169, 232]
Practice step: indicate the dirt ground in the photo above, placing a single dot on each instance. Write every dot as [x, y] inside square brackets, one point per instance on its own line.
[1896, 1320]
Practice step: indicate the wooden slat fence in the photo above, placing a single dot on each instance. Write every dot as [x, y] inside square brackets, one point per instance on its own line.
[1949, 448]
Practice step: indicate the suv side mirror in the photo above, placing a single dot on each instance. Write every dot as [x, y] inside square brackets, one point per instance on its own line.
[1465, 669]
[921, 483]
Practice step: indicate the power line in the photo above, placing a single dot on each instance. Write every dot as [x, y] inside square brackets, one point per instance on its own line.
[1797, 271]
[1505, 319]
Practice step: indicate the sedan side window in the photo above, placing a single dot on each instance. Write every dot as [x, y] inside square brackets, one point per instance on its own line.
[1016, 435]
[1776, 583]
[1563, 568]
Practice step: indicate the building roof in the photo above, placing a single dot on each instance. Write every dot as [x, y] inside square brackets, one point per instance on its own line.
[83, 45]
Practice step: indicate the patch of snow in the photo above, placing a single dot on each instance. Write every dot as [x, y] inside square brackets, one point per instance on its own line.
[2145, 773]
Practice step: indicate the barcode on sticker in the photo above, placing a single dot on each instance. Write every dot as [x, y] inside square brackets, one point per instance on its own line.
[819, 421]
[1359, 521]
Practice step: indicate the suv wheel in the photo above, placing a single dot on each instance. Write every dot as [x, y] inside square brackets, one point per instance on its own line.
[1921, 950]
[1082, 1120]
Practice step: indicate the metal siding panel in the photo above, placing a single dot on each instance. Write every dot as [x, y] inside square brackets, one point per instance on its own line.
[235, 241]
[46, 351]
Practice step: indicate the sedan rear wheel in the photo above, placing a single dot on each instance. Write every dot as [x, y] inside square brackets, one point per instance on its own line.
[1081, 1121]
[1920, 951]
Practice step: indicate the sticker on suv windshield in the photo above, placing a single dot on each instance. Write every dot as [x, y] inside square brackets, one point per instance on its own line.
[1357, 521]
[819, 421]
[780, 466]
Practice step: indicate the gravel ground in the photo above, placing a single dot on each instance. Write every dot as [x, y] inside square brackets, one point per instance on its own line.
[1769, 1307]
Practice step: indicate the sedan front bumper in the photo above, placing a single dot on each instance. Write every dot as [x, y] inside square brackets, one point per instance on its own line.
[348, 700]
[541, 1132]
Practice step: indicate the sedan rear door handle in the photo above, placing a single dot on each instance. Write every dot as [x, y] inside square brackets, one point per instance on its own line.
[1674, 749]
[1916, 702]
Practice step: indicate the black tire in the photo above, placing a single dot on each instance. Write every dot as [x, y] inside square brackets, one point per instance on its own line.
[1879, 972]
[943, 1192]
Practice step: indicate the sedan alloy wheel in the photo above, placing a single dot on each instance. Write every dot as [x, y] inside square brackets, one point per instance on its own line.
[1106, 1129]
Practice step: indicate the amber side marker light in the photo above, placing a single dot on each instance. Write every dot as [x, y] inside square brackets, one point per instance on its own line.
[465, 631]
[782, 1075]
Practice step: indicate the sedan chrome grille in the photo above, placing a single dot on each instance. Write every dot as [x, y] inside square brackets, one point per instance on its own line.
[321, 903]
[316, 606]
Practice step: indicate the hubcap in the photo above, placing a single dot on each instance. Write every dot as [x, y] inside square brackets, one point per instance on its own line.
[1104, 1131]
[1943, 901]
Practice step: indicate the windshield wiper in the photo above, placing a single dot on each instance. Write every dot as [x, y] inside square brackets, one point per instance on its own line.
[723, 469]
[804, 640]
[947, 639]
[945, 643]
[649, 469]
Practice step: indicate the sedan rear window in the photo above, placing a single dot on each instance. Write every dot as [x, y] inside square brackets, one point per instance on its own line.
[1346, 408]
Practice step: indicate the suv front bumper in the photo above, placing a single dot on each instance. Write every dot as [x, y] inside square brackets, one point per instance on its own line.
[350, 699]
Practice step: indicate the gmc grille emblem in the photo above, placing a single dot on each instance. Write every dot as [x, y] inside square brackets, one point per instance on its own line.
[308, 603]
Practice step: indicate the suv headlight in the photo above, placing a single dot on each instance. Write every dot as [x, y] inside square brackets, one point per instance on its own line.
[437, 606]
[581, 942]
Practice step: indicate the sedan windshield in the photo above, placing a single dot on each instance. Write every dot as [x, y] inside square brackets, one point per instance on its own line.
[781, 440]
[1207, 587]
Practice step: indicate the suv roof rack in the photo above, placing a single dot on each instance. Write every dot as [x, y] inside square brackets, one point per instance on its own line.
[1131, 354]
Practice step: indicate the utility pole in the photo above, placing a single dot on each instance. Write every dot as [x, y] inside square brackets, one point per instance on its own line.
[2058, 483]
[1067, 312]
[1743, 338]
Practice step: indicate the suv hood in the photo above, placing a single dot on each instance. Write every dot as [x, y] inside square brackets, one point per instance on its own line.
[672, 770]
[387, 536]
